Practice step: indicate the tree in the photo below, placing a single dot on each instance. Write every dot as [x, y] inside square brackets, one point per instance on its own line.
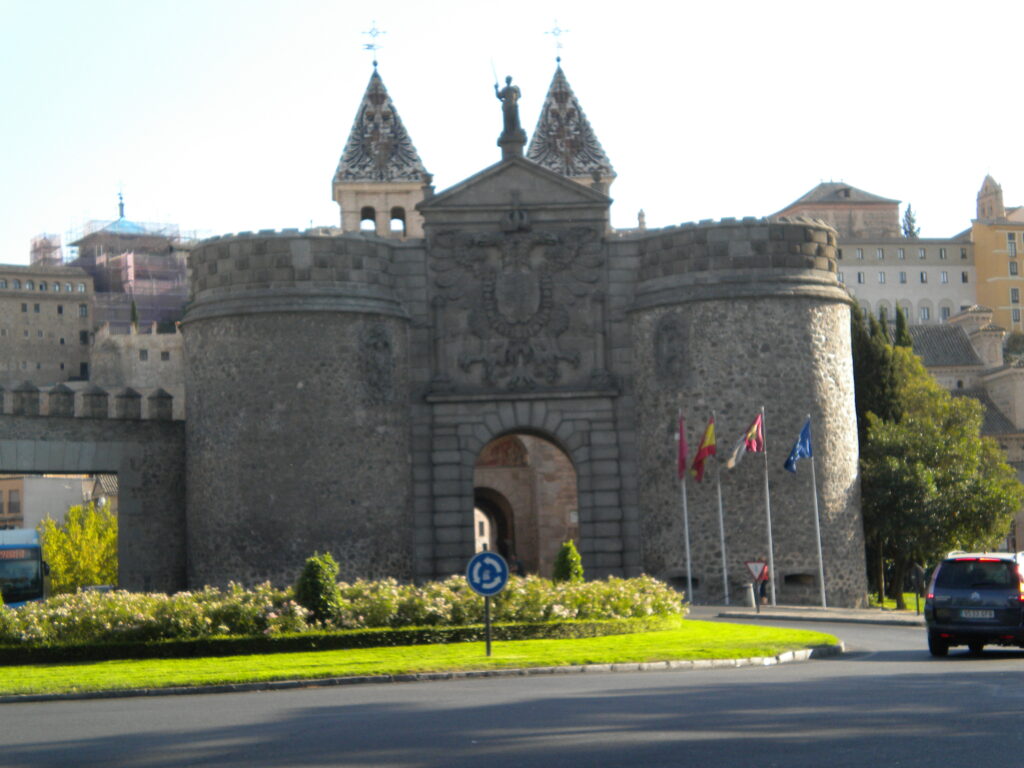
[902, 338]
[929, 482]
[317, 587]
[568, 564]
[81, 551]
[910, 228]
[873, 374]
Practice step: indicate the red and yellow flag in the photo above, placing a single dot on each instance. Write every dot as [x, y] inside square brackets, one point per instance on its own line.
[705, 449]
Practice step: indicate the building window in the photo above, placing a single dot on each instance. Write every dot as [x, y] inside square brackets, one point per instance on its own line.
[860, 277]
[860, 253]
[81, 287]
[143, 355]
[1015, 295]
[16, 284]
[56, 287]
[840, 277]
[924, 277]
[42, 285]
[83, 310]
[29, 285]
[944, 313]
[165, 356]
[1011, 249]
[3, 283]
[880, 253]
[839, 253]
[963, 253]
[35, 308]
[901, 253]
[963, 277]
[60, 309]
[942, 253]
[83, 337]
[903, 277]
[24, 307]
[881, 277]
[921, 253]
[1015, 315]
[62, 341]
[67, 287]
[943, 277]
[925, 314]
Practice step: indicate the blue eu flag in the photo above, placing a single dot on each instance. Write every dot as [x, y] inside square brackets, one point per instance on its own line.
[801, 448]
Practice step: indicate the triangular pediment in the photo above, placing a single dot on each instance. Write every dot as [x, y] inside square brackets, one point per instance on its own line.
[532, 185]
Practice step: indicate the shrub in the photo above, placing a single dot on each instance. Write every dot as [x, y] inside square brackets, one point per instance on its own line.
[317, 588]
[568, 564]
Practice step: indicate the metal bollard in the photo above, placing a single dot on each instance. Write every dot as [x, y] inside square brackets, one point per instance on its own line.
[750, 595]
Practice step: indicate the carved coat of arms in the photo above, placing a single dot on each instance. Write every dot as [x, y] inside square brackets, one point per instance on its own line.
[512, 296]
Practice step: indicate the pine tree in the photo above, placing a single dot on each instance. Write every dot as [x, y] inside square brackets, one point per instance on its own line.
[910, 228]
[902, 338]
[568, 564]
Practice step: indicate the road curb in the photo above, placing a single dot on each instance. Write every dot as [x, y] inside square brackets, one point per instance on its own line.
[887, 620]
[788, 657]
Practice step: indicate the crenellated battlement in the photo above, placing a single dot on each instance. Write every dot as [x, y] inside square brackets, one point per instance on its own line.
[61, 401]
[738, 257]
[288, 270]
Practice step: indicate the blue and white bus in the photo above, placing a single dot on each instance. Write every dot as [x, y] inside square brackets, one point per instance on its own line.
[22, 570]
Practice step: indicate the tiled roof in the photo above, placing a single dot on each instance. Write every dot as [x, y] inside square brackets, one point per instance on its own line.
[379, 147]
[995, 422]
[941, 346]
[838, 192]
[563, 140]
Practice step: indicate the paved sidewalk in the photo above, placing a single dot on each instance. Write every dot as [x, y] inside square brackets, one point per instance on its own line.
[809, 613]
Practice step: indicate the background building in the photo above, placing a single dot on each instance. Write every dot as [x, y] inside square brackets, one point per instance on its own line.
[46, 316]
[998, 237]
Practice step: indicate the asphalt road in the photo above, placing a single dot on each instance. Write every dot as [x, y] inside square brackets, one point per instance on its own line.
[886, 702]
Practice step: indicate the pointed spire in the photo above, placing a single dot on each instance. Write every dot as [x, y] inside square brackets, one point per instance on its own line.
[379, 148]
[563, 141]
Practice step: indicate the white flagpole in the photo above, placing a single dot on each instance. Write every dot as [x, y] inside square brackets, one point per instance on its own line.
[817, 527]
[721, 516]
[686, 516]
[768, 511]
[686, 537]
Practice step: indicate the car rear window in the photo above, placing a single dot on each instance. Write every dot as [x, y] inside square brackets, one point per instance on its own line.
[971, 574]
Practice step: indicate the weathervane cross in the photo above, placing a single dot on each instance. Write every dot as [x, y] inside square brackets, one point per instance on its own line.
[373, 46]
[556, 32]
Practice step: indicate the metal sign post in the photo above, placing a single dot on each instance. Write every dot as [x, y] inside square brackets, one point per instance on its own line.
[487, 575]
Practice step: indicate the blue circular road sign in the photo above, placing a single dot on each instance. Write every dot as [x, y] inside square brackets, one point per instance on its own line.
[487, 573]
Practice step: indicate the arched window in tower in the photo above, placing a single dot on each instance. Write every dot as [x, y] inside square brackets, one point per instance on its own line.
[368, 219]
[398, 220]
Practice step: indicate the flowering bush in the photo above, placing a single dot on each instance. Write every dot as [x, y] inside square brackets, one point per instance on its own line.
[91, 617]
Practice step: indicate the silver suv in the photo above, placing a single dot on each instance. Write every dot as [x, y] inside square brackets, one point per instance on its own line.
[976, 599]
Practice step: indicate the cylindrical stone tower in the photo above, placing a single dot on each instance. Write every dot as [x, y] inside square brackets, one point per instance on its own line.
[297, 396]
[728, 318]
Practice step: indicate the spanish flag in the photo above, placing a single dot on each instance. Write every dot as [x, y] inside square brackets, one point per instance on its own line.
[705, 449]
[752, 442]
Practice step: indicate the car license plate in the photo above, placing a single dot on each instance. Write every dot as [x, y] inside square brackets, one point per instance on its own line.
[969, 613]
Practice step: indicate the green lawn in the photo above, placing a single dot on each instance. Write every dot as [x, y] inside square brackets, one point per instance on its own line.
[890, 603]
[692, 640]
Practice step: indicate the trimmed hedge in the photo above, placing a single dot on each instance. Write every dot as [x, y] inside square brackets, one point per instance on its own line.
[11, 655]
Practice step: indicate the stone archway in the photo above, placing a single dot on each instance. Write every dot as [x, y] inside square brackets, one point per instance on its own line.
[526, 488]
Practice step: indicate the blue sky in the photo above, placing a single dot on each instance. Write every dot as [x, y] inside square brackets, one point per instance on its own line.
[223, 116]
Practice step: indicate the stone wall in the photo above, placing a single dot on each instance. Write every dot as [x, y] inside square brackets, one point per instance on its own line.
[86, 433]
[298, 433]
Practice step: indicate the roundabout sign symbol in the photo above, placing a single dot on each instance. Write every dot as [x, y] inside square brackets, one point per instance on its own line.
[487, 573]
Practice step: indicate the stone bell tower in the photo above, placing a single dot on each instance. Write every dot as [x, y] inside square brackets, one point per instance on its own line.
[380, 177]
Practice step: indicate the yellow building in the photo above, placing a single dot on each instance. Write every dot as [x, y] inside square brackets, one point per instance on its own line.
[998, 237]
